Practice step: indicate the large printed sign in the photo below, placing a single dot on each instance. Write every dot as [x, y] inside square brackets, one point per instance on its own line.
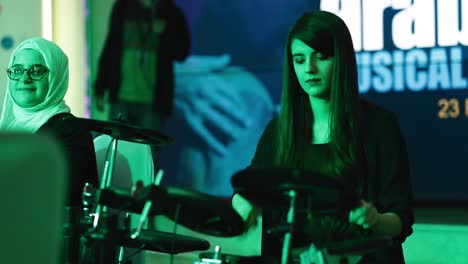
[412, 58]
[427, 37]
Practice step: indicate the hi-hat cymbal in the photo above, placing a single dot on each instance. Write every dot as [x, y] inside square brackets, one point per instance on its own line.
[165, 242]
[201, 212]
[268, 187]
[124, 131]
[151, 240]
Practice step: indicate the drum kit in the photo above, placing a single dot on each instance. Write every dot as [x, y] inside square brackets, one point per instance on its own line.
[103, 235]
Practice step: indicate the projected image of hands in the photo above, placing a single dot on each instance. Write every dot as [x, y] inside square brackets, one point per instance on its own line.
[208, 103]
[220, 111]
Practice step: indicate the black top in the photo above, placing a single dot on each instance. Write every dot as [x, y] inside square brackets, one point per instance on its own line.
[79, 149]
[386, 184]
[173, 44]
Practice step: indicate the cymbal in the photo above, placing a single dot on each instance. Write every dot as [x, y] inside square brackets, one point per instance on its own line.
[124, 131]
[165, 242]
[267, 187]
[202, 212]
[122, 199]
[151, 240]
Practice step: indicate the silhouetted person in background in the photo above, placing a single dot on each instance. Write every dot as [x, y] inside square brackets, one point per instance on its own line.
[136, 65]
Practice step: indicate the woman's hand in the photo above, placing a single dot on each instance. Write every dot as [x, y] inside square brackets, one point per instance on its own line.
[366, 215]
[245, 209]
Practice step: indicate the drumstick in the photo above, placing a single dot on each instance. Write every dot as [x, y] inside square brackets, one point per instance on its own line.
[147, 207]
[158, 177]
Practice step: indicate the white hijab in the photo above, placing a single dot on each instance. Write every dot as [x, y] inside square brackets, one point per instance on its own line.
[15, 117]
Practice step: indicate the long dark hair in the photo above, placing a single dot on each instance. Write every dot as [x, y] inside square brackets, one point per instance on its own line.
[328, 34]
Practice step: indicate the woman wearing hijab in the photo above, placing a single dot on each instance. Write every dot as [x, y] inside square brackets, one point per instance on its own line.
[34, 103]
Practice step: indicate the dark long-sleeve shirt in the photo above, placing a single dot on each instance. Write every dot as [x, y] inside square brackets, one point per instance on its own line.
[386, 183]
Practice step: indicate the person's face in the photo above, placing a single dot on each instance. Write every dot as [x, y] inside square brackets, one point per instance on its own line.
[27, 92]
[313, 69]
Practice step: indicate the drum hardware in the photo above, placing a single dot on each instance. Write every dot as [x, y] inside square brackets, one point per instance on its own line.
[147, 206]
[201, 212]
[73, 227]
[152, 240]
[105, 230]
[217, 257]
[125, 201]
[113, 234]
[99, 235]
[126, 223]
[358, 246]
[346, 251]
[118, 130]
[290, 222]
[198, 211]
[315, 193]
[295, 191]
[86, 199]
[214, 258]
[306, 192]
[95, 245]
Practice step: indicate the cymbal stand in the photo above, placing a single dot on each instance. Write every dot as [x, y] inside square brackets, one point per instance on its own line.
[143, 218]
[106, 253]
[106, 177]
[290, 222]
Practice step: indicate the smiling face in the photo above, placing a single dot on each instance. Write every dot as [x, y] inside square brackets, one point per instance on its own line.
[27, 92]
[313, 69]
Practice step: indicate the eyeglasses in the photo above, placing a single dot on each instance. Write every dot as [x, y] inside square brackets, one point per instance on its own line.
[36, 72]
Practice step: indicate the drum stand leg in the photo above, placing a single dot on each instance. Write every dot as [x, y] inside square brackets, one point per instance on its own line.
[290, 222]
[106, 178]
[107, 255]
[321, 257]
[121, 254]
[126, 226]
